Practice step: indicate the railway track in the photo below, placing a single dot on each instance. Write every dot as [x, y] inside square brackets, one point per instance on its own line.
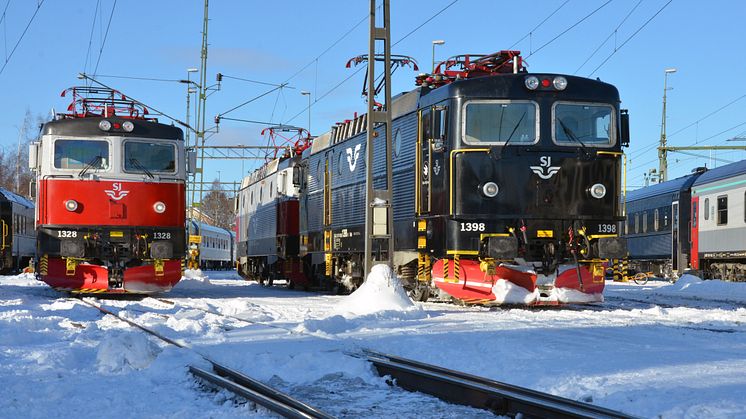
[470, 390]
[234, 381]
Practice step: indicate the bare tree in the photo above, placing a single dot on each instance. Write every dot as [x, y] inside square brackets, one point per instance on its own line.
[218, 206]
[14, 172]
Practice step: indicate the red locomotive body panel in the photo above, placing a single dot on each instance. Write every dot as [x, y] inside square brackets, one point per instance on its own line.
[112, 203]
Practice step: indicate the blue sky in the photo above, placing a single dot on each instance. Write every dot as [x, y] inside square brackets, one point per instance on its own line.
[272, 41]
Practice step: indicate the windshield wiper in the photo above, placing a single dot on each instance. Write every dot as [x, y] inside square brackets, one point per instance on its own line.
[574, 137]
[90, 164]
[138, 165]
[515, 128]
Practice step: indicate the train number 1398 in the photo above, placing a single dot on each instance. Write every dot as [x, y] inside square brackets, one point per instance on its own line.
[607, 228]
[472, 227]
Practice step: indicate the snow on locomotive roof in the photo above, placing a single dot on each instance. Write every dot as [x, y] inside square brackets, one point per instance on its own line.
[260, 173]
[722, 172]
[89, 127]
[13, 197]
[208, 227]
[667, 187]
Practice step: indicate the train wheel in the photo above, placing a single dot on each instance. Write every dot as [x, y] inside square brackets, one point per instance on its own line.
[420, 293]
[640, 278]
[289, 284]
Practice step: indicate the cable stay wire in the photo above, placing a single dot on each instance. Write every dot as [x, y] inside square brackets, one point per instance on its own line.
[630, 37]
[539, 25]
[346, 79]
[571, 27]
[90, 39]
[220, 115]
[650, 147]
[106, 35]
[7, 59]
[225, 76]
[5, 29]
[613, 33]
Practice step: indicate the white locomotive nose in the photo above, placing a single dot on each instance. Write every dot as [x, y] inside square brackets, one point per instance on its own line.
[159, 207]
[71, 205]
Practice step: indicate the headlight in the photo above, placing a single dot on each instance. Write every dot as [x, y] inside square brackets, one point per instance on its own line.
[159, 207]
[490, 189]
[104, 125]
[71, 205]
[532, 82]
[128, 126]
[560, 83]
[598, 191]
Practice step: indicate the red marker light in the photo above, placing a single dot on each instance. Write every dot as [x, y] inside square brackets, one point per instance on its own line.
[117, 125]
[544, 83]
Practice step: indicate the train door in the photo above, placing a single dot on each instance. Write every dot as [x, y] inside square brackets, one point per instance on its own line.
[423, 162]
[675, 245]
[694, 236]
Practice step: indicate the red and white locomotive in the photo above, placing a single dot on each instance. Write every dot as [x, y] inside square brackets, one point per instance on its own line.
[110, 197]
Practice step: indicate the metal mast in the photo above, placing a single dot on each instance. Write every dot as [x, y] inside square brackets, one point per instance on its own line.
[200, 119]
[662, 150]
[379, 234]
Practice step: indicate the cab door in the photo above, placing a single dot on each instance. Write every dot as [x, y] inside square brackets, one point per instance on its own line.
[423, 186]
[675, 242]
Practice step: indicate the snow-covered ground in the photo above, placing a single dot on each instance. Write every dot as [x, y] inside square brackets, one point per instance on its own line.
[647, 351]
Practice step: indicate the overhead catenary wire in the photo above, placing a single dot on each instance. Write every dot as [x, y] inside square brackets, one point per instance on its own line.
[630, 37]
[328, 92]
[613, 33]
[28, 25]
[106, 35]
[5, 35]
[90, 39]
[539, 25]
[570, 28]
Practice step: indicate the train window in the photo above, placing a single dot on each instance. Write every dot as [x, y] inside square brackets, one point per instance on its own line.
[656, 220]
[497, 122]
[707, 208]
[590, 124]
[637, 223]
[78, 154]
[645, 222]
[397, 142]
[146, 157]
[723, 210]
[271, 190]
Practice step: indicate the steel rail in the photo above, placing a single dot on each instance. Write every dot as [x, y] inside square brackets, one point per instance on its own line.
[482, 393]
[234, 381]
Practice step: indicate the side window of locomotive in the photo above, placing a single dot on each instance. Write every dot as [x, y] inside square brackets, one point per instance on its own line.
[656, 220]
[589, 124]
[707, 208]
[645, 222]
[397, 142]
[723, 210]
[77, 154]
[637, 223]
[142, 157]
[499, 122]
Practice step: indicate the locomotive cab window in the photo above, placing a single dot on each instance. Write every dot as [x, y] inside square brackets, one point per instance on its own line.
[79, 154]
[144, 157]
[500, 122]
[578, 124]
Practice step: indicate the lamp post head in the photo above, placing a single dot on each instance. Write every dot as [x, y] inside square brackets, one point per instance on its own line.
[669, 70]
[192, 70]
[305, 93]
[439, 42]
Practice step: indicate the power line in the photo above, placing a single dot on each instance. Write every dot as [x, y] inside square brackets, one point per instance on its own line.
[571, 27]
[251, 100]
[613, 33]
[38, 6]
[90, 39]
[630, 37]
[5, 34]
[225, 76]
[328, 92]
[106, 35]
[539, 25]
[137, 78]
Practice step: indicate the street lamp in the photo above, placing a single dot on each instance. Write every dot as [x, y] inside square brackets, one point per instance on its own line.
[306, 93]
[190, 90]
[662, 154]
[436, 42]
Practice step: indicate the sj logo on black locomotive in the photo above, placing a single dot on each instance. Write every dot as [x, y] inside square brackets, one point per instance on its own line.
[545, 170]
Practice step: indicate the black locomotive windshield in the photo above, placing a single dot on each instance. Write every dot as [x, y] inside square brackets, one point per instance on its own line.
[500, 122]
[77, 154]
[583, 124]
[142, 157]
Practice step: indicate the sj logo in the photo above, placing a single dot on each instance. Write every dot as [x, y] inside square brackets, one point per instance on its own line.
[352, 156]
[116, 193]
[545, 170]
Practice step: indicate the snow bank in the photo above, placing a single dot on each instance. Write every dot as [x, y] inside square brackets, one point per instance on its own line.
[507, 292]
[194, 274]
[124, 352]
[694, 287]
[381, 291]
